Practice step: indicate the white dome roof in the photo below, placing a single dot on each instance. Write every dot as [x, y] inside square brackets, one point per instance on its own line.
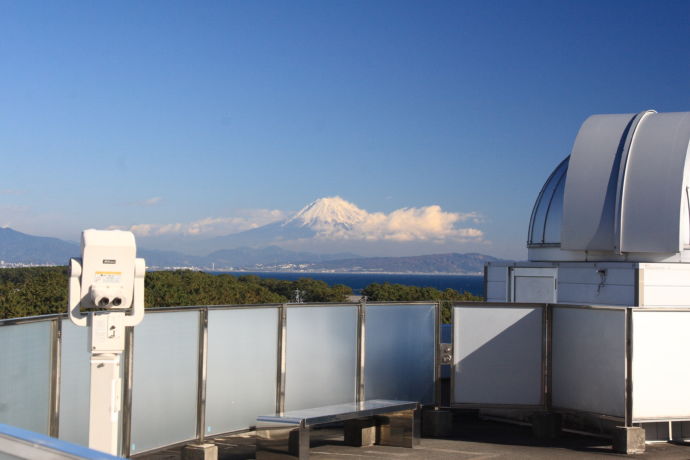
[545, 223]
[623, 190]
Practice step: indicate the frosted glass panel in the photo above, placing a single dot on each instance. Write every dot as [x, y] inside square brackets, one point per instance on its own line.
[164, 389]
[660, 377]
[241, 368]
[498, 354]
[400, 352]
[321, 356]
[74, 384]
[25, 376]
[588, 370]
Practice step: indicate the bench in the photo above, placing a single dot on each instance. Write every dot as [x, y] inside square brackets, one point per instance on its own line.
[385, 422]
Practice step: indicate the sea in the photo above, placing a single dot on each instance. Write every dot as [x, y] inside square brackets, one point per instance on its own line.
[473, 284]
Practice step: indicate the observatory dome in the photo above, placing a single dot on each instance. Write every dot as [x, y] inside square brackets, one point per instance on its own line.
[622, 194]
[545, 223]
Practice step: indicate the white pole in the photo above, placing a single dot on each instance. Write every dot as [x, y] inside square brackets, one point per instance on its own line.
[105, 402]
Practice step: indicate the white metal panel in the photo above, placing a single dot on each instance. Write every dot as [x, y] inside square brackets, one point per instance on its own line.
[556, 254]
[665, 285]
[588, 294]
[533, 285]
[496, 291]
[654, 184]
[496, 273]
[591, 184]
[666, 275]
[588, 360]
[661, 377]
[534, 289]
[591, 275]
[496, 283]
[497, 355]
[666, 296]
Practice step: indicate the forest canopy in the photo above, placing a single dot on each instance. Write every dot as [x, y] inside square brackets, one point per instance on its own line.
[33, 291]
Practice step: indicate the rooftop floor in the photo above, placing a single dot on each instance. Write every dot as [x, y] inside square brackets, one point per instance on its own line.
[473, 439]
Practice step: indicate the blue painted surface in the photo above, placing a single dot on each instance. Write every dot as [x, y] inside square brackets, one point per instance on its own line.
[54, 444]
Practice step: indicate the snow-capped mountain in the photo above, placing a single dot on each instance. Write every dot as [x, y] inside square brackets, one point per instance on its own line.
[328, 216]
[333, 225]
[327, 234]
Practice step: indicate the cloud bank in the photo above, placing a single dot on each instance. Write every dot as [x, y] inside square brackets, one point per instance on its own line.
[428, 223]
[335, 219]
[210, 226]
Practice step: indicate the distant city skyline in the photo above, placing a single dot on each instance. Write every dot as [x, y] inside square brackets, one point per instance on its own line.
[199, 119]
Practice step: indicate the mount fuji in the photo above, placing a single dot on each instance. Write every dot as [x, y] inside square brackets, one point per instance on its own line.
[325, 218]
[329, 234]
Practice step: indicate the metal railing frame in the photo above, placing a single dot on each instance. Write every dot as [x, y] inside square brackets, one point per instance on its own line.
[547, 364]
[281, 370]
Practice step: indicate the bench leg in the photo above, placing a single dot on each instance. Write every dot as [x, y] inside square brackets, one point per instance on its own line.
[360, 432]
[399, 429]
[279, 441]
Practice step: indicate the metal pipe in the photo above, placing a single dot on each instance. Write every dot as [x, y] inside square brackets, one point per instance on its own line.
[437, 355]
[547, 363]
[628, 367]
[361, 350]
[55, 362]
[128, 370]
[201, 381]
[281, 369]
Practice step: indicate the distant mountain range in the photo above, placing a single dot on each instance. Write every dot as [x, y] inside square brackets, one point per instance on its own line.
[434, 263]
[324, 218]
[20, 248]
[320, 226]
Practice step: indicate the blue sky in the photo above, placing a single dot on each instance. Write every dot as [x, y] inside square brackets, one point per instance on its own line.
[162, 112]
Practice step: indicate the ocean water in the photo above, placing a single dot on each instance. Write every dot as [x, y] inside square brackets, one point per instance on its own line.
[473, 284]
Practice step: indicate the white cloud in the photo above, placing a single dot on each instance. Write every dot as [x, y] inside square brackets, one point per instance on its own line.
[211, 226]
[334, 219]
[154, 200]
[11, 191]
[428, 223]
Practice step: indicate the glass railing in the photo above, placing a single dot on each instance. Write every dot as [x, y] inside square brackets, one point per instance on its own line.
[624, 364]
[193, 372]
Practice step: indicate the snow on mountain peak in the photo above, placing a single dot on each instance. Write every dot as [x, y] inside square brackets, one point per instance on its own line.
[328, 212]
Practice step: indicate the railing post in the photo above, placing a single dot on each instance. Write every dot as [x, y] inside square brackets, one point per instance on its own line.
[361, 349]
[628, 367]
[281, 368]
[128, 367]
[56, 347]
[437, 355]
[547, 356]
[201, 381]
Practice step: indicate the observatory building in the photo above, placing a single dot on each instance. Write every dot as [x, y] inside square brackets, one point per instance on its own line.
[591, 334]
[609, 260]
[611, 225]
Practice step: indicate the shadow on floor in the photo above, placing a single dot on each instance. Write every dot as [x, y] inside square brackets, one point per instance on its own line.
[472, 439]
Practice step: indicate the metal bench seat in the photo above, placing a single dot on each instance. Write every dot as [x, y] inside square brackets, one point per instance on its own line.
[385, 422]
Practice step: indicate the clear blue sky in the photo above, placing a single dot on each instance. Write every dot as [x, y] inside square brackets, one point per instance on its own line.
[209, 109]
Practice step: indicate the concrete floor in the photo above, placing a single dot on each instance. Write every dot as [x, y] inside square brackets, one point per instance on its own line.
[473, 439]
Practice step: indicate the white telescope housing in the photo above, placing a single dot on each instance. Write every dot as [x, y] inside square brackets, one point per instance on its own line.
[108, 275]
[106, 294]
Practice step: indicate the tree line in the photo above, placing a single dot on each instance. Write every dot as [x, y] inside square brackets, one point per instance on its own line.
[33, 291]
[387, 292]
